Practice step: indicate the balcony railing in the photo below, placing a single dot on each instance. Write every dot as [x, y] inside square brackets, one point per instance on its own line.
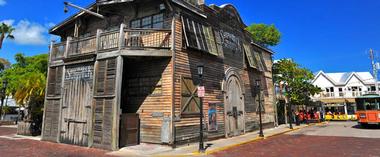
[137, 39]
[58, 51]
[133, 39]
[82, 46]
[348, 94]
[109, 40]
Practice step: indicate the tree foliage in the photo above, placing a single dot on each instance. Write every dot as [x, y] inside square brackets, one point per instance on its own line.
[298, 80]
[27, 78]
[266, 35]
[5, 32]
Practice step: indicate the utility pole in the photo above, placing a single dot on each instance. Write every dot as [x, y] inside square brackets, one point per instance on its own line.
[374, 69]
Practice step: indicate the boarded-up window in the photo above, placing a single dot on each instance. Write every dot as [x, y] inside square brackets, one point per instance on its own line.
[55, 81]
[199, 36]
[190, 102]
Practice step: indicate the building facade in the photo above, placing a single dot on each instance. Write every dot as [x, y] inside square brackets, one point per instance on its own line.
[339, 90]
[132, 76]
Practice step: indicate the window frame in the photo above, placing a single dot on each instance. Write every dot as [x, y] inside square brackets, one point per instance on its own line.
[151, 21]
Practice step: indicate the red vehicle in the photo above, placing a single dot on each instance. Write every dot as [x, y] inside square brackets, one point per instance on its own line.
[368, 110]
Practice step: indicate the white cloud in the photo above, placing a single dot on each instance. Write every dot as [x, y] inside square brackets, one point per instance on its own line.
[2, 2]
[8, 22]
[50, 25]
[28, 33]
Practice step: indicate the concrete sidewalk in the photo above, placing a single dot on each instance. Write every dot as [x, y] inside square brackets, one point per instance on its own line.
[192, 149]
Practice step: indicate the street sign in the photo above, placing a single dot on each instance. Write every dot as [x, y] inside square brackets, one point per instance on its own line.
[201, 91]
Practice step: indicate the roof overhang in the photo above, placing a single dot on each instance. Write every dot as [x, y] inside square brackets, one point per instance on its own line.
[71, 19]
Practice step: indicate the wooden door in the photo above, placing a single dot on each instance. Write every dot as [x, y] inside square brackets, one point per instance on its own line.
[234, 107]
[129, 129]
[76, 106]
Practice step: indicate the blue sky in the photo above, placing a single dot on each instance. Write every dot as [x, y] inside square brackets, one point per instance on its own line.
[329, 35]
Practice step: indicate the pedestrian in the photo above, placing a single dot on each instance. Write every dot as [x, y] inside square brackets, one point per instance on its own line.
[302, 116]
[297, 118]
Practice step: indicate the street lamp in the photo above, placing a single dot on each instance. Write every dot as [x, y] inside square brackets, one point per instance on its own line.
[200, 69]
[258, 92]
[3, 93]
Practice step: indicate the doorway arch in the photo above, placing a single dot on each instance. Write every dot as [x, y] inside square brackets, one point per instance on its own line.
[233, 103]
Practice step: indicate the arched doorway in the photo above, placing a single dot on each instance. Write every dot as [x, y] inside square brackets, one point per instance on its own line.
[234, 104]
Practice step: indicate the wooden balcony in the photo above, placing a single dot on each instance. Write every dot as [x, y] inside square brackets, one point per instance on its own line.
[137, 40]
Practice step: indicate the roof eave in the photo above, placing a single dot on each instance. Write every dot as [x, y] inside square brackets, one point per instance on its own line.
[70, 19]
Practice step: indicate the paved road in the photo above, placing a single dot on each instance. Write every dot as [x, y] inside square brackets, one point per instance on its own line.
[334, 139]
[11, 146]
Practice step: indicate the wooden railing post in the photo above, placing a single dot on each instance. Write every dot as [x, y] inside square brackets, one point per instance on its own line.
[121, 36]
[98, 33]
[67, 47]
[51, 51]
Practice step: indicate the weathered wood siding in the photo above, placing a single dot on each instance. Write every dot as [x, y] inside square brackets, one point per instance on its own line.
[229, 37]
[147, 92]
[187, 127]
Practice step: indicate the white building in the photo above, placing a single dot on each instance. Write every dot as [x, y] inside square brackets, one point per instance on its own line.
[339, 90]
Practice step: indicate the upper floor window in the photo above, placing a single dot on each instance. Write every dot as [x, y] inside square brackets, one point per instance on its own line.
[153, 21]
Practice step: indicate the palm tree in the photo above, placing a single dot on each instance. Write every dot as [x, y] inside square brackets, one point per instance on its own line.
[4, 64]
[5, 32]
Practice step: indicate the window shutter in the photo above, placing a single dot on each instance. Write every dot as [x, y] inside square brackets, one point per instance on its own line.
[55, 82]
[210, 38]
[58, 81]
[199, 36]
[190, 36]
[51, 121]
[250, 58]
[104, 103]
[51, 82]
[190, 102]
[260, 64]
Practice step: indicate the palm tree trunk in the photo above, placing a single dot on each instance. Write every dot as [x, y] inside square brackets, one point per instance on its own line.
[2, 39]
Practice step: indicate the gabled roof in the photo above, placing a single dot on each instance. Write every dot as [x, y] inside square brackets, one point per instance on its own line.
[344, 77]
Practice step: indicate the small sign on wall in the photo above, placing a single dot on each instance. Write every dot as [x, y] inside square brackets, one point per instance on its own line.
[201, 91]
[212, 119]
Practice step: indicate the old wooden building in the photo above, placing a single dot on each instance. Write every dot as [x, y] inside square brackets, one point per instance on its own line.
[131, 76]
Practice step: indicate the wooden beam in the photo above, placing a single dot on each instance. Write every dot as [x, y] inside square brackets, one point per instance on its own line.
[148, 53]
[106, 55]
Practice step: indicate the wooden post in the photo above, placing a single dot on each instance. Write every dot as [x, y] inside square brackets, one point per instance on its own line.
[117, 108]
[51, 50]
[121, 36]
[98, 33]
[91, 132]
[67, 47]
